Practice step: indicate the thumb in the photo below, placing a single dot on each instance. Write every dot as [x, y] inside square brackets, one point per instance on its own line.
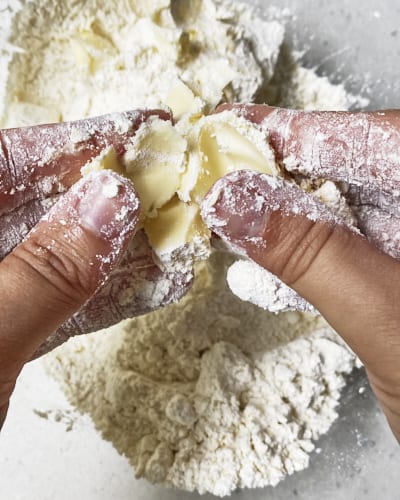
[354, 286]
[61, 264]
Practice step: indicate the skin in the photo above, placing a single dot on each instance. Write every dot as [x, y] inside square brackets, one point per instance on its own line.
[64, 274]
[352, 280]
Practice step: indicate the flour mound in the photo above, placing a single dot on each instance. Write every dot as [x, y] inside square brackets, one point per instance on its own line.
[211, 394]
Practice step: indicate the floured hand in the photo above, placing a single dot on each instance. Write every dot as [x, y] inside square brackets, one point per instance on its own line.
[72, 258]
[354, 284]
[361, 151]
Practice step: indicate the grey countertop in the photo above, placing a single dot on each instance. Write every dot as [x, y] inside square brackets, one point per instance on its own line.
[352, 41]
[62, 457]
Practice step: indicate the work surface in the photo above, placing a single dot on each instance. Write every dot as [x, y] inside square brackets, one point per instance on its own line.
[49, 454]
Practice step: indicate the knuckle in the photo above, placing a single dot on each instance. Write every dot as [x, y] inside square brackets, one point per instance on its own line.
[60, 265]
[297, 248]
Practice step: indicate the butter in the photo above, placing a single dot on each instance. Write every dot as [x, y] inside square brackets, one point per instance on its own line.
[224, 150]
[89, 49]
[182, 100]
[173, 168]
[107, 160]
[81, 55]
[212, 89]
[155, 163]
[218, 145]
[177, 224]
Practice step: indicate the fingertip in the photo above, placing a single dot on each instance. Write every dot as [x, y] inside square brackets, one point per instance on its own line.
[230, 209]
[106, 207]
[118, 202]
[239, 207]
[269, 220]
[163, 114]
[225, 107]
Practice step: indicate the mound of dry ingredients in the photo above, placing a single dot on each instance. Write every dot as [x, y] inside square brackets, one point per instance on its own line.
[211, 394]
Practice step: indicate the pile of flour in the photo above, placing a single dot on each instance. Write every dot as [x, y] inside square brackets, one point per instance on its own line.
[211, 394]
[92, 58]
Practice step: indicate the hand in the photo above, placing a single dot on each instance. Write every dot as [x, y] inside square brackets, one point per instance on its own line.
[354, 285]
[69, 262]
[358, 150]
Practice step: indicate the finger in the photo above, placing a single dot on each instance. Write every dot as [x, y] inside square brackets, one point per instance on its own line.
[296, 238]
[381, 227]
[61, 264]
[37, 162]
[15, 226]
[356, 148]
[136, 287]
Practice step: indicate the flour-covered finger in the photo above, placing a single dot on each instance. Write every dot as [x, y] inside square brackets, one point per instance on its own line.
[15, 226]
[41, 161]
[380, 227]
[360, 149]
[63, 261]
[136, 287]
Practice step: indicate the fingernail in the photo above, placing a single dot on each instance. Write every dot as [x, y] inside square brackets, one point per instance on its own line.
[244, 207]
[237, 209]
[103, 204]
[106, 204]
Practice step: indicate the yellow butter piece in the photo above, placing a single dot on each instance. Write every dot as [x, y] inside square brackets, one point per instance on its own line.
[223, 149]
[82, 56]
[107, 160]
[90, 49]
[96, 44]
[155, 164]
[212, 89]
[182, 100]
[177, 224]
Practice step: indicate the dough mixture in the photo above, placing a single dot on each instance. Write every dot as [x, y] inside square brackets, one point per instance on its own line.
[211, 394]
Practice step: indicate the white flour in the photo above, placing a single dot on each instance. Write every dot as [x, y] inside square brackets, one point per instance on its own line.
[212, 394]
[113, 58]
[252, 283]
